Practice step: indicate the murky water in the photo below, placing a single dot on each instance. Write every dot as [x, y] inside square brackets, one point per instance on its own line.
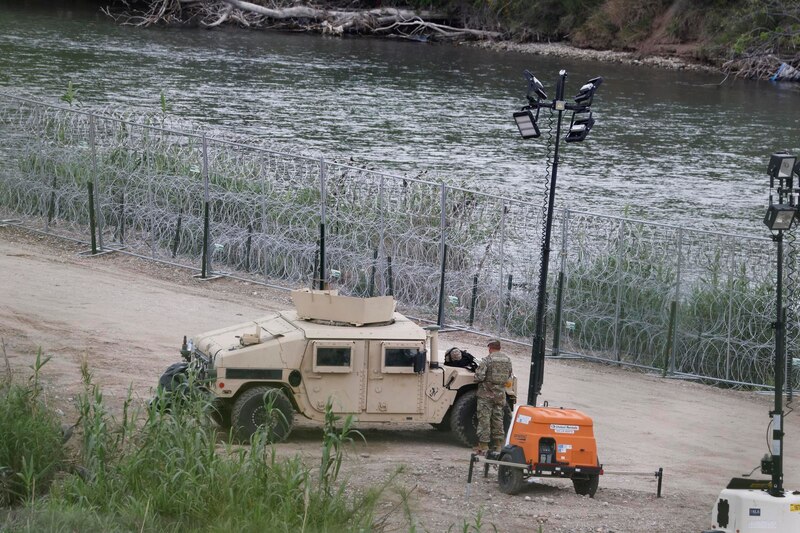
[668, 146]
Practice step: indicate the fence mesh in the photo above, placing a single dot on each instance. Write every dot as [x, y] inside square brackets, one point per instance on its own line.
[626, 291]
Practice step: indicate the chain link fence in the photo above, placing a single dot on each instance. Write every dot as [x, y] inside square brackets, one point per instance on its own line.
[670, 299]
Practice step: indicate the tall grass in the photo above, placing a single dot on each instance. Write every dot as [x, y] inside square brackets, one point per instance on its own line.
[30, 439]
[164, 469]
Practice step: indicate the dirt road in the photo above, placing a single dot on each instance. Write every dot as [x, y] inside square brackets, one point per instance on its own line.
[127, 316]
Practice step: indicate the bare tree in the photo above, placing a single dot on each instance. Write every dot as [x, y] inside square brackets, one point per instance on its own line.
[265, 14]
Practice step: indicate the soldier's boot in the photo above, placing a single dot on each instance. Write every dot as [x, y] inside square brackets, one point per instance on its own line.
[497, 445]
[481, 448]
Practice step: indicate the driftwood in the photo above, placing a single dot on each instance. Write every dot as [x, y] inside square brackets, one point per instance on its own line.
[763, 67]
[405, 23]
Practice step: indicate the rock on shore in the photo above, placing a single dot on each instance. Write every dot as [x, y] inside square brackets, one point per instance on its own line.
[565, 50]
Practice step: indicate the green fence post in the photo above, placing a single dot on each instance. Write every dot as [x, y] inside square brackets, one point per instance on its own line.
[90, 186]
[668, 351]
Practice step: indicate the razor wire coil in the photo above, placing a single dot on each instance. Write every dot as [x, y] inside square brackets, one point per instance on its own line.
[621, 277]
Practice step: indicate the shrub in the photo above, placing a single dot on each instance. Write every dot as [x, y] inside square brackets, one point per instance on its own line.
[31, 448]
[170, 473]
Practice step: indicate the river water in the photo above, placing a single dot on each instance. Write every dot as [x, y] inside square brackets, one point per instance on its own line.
[668, 146]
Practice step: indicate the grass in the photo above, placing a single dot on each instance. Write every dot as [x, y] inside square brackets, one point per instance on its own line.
[159, 469]
[30, 441]
[162, 467]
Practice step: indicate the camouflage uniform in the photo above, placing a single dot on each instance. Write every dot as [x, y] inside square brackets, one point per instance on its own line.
[492, 374]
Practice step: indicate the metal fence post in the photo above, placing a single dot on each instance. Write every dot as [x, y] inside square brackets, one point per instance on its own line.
[618, 307]
[507, 300]
[473, 300]
[207, 215]
[323, 200]
[92, 228]
[381, 234]
[151, 201]
[731, 273]
[442, 254]
[560, 289]
[676, 318]
[263, 239]
[98, 207]
[390, 282]
[498, 322]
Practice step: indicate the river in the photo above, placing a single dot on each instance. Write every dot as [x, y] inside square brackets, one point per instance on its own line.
[668, 146]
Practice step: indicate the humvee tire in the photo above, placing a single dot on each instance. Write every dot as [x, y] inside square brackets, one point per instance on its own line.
[464, 418]
[509, 479]
[173, 387]
[220, 413]
[249, 413]
[444, 425]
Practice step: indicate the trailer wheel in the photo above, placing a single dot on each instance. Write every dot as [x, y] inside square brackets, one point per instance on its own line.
[586, 486]
[250, 412]
[509, 479]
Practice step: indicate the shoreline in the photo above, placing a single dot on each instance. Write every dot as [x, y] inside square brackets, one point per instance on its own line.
[608, 56]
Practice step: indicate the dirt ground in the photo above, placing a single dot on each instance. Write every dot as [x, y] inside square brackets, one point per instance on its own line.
[127, 316]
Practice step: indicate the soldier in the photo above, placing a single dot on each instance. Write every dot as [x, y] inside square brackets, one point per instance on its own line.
[492, 374]
[460, 358]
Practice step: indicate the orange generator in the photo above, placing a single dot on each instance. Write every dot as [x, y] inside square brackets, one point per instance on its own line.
[547, 441]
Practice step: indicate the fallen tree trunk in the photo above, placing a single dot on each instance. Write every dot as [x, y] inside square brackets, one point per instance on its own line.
[764, 66]
[381, 21]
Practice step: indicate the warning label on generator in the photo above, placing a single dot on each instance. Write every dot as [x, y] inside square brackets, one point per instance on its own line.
[560, 428]
[794, 507]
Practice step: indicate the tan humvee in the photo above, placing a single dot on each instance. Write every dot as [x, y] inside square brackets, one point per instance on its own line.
[357, 353]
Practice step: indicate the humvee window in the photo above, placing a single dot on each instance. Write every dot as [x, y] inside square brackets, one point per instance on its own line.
[339, 356]
[399, 357]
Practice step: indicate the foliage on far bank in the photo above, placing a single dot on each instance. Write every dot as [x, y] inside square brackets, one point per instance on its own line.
[750, 38]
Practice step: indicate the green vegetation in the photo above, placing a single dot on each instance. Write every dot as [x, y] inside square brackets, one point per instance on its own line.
[164, 469]
[30, 441]
[70, 96]
[746, 35]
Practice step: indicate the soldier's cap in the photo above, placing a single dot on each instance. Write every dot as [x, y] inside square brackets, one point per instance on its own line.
[493, 340]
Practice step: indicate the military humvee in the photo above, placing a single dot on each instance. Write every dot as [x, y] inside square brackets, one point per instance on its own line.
[357, 353]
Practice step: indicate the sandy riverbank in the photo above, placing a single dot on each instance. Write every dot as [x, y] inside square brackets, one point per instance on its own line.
[608, 56]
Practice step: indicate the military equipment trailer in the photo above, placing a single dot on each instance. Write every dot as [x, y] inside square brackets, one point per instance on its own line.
[357, 353]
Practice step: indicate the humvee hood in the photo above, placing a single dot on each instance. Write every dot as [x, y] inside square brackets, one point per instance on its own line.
[235, 337]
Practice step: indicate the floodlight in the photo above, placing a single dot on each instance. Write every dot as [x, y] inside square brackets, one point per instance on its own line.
[526, 122]
[781, 165]
[586, 92]
[780, 216]
[582, 122]
[535, 86]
